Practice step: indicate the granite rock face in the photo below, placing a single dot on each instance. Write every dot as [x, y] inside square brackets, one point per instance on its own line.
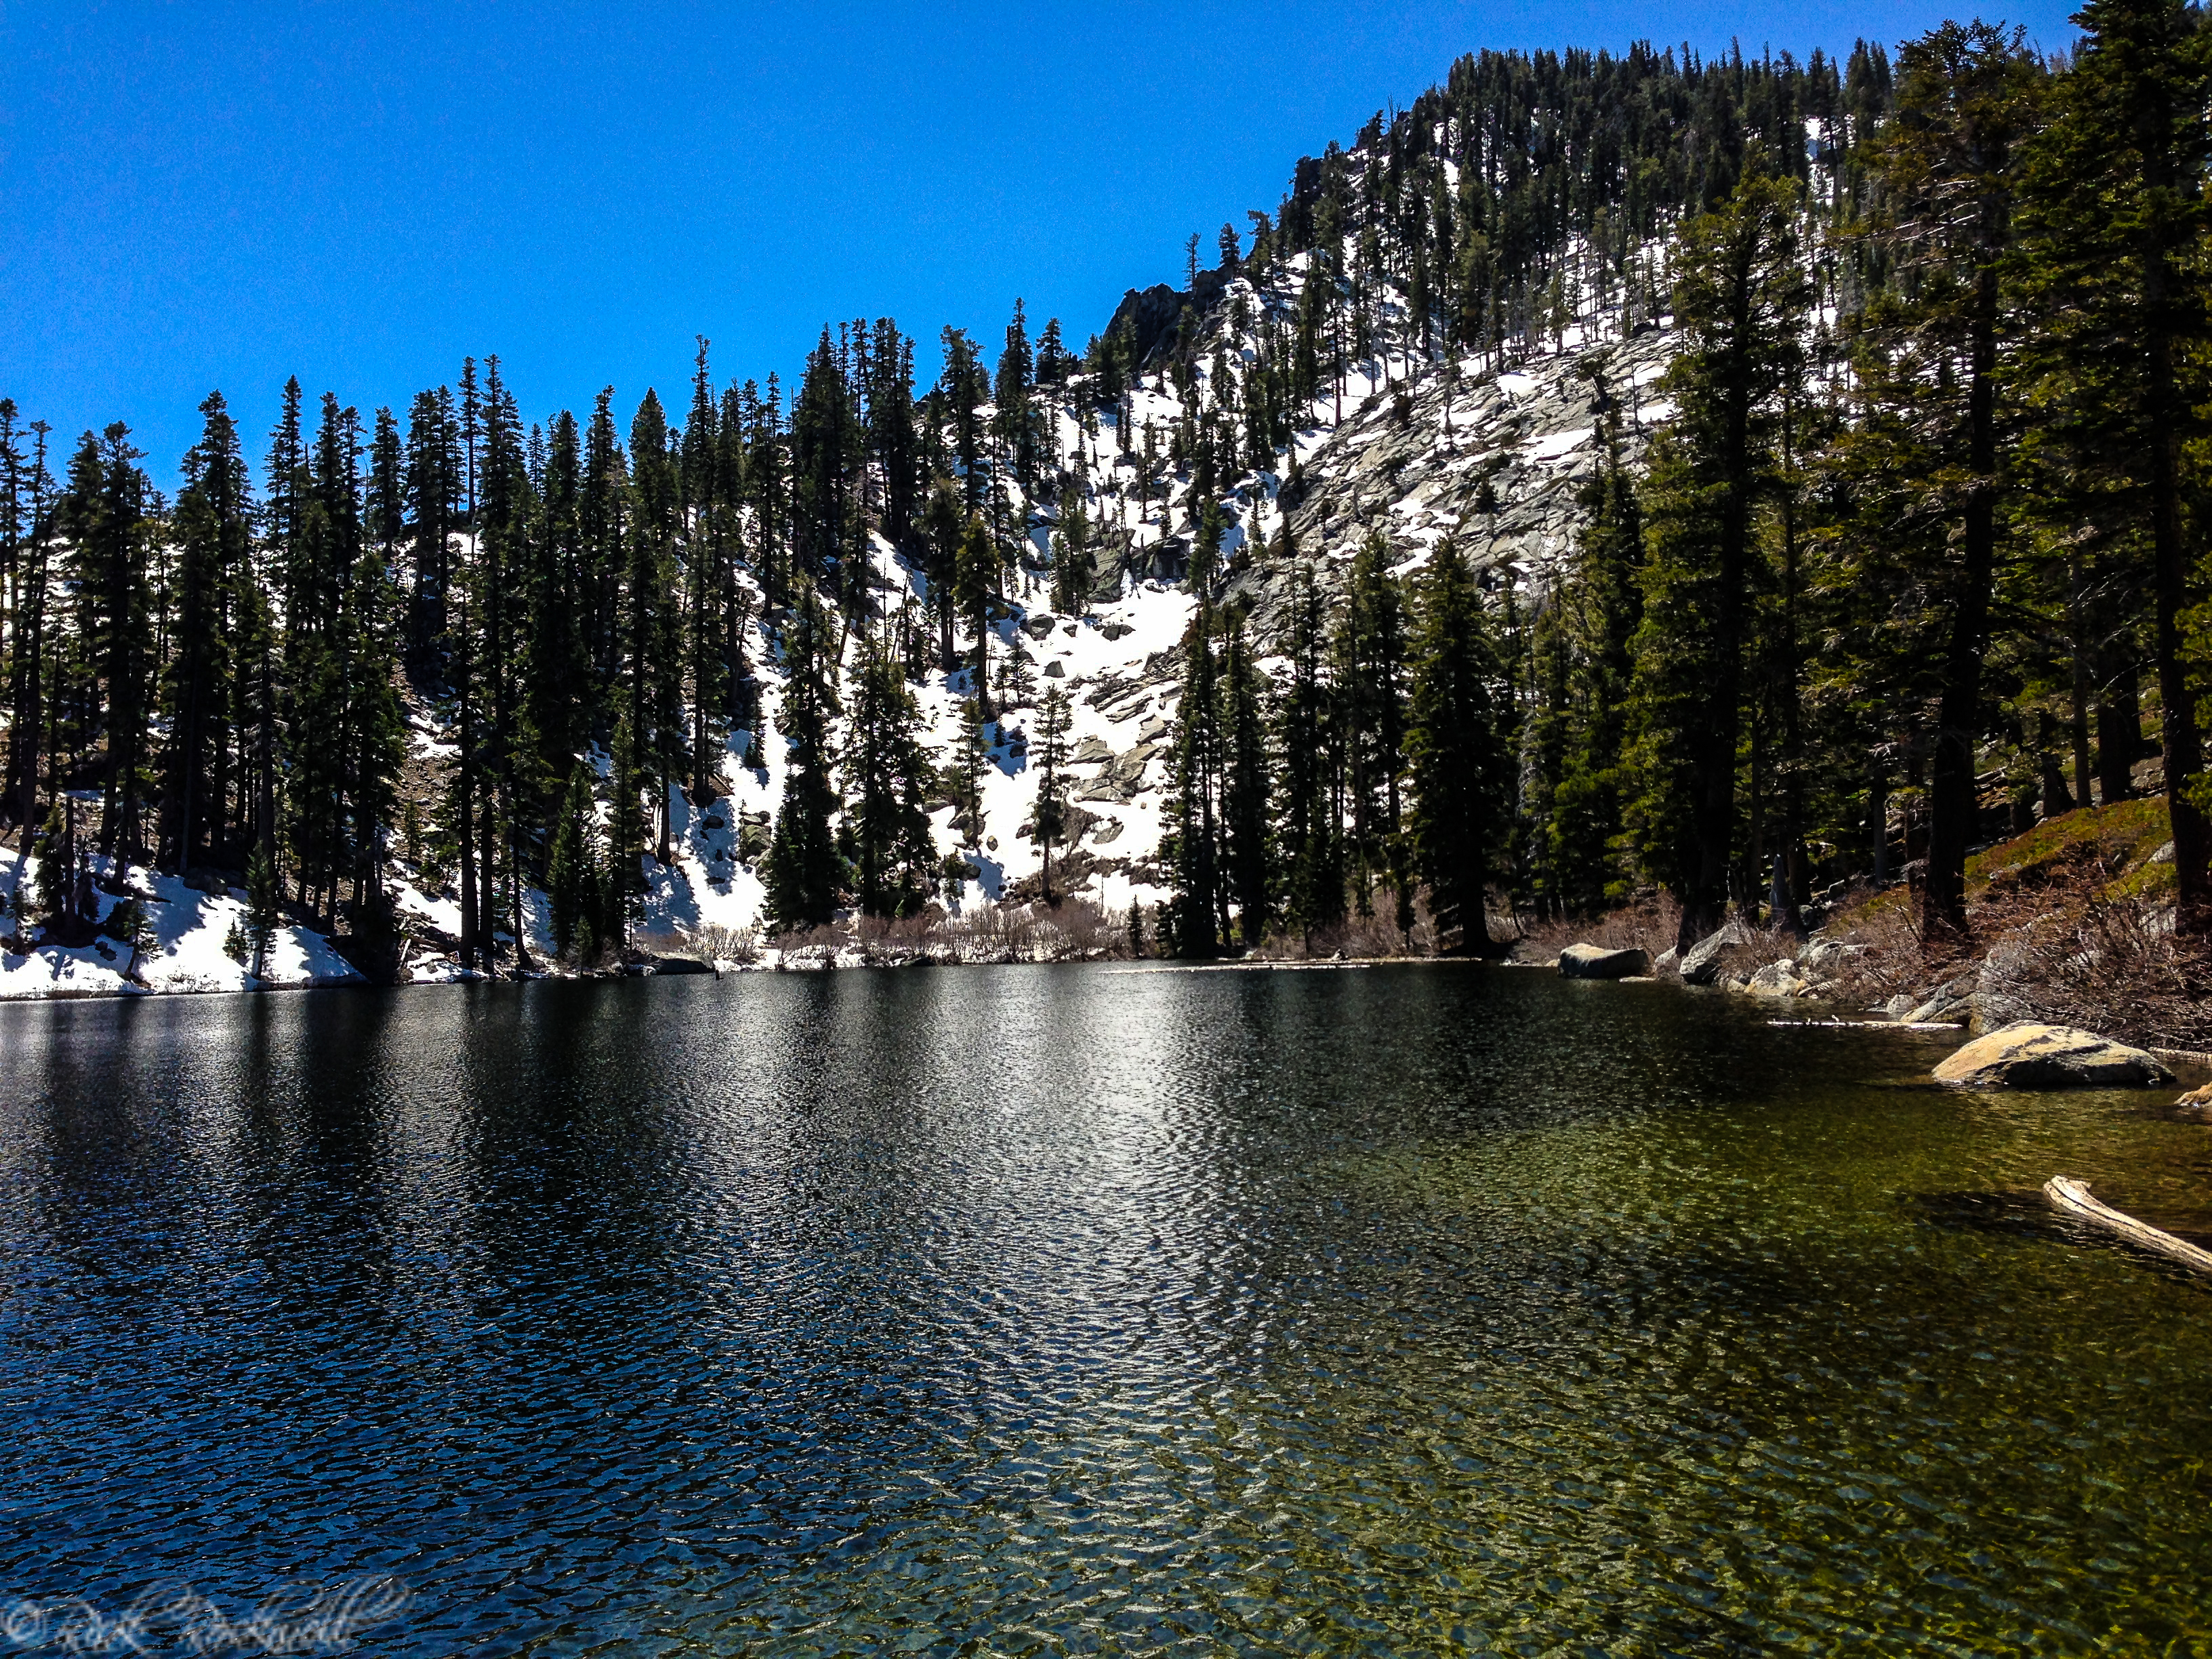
[2029, 1055]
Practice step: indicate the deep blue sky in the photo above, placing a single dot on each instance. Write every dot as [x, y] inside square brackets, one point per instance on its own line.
[198, 195]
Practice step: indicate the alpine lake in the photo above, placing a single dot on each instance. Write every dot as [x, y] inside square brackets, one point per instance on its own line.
[1421, 1310]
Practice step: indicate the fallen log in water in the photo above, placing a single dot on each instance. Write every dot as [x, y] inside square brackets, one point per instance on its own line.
[2072, 1198]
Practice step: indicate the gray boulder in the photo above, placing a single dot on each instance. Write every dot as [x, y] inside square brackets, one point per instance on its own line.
[1595, 962]
[2029, 1055]
[681, 965]
[1703, 963]
[1778, 979]
[1953, 1001]
[1996, 1002]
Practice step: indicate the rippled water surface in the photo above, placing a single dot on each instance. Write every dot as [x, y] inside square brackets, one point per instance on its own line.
[1034, 1311]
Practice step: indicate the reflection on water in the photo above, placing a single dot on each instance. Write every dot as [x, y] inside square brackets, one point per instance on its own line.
[1044, 1310]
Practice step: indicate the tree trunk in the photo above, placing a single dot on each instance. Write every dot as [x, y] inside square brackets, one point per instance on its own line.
[1953, 807]
[2119, 735]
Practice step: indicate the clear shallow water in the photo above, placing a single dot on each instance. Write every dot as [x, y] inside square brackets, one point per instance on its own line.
[1038, 1310]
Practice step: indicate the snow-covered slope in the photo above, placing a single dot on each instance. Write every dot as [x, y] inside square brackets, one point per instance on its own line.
[1407, 460]
[1411, 445]
[192, 931]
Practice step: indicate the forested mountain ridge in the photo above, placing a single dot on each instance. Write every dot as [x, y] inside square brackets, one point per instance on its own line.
[1608, 473]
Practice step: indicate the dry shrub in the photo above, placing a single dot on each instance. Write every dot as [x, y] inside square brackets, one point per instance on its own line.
[1078, 929]
[715, 943]
[1072, 930]
[2111, 964]
[1362, 937]
[1355, 938]
[886, 941]
[2075, 927]
[1648, 924]
[803, 947]
[2093, 947]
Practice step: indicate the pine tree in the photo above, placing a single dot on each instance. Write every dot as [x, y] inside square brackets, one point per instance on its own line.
[1606, 600]
[961, 392]
[803, 873]
[1309, 731]
[265, 908]
[1248, 852]
[969, 765]
[1019, 431]
[1191, 847]
[977, 583]
[887, 776]
[1049, 754]
[575, 886]
[105, 521]
[1074, 562]
[825, 445]
[432, 497]
[892, 435]
[1456, 752]
[707, 586]
[507, 509]
[27, 496]
[1921, 467]
[2115, 222]
[1740, 301]
[58, 855]
[944, 528]
[128, 924]
[558, 693]
[1370, 652]
[623, 889]
[373, 629]
[651, 668]
[255, 710]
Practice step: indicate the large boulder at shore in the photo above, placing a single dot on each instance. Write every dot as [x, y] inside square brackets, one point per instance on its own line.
[1702, 962]
[2029, 1055]
[1595, 962]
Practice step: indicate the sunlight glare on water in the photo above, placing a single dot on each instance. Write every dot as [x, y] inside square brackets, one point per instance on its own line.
[1060, 1310]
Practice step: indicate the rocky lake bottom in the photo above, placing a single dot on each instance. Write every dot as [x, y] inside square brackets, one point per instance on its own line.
[1388, 1309]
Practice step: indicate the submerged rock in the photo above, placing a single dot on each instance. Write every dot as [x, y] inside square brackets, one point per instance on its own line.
[2029, 1055]
[1595, 962]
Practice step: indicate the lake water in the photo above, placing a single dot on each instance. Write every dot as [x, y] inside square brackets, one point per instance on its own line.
[1073, 1310]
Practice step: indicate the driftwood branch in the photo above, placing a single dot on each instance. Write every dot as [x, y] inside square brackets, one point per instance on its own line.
[2072, 1198]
